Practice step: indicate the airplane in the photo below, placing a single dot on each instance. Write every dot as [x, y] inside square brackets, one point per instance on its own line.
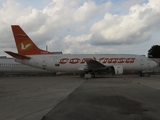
[8, 66]
[91, 64]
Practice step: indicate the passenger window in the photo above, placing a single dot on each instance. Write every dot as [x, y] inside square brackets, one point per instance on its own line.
[56, 64]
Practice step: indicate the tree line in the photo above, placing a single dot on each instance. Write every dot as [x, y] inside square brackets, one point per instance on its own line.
[154, 51]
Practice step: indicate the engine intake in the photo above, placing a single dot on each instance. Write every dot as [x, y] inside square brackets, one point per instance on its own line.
[117, 70]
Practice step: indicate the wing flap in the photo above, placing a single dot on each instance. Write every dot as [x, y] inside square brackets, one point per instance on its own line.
[95, 65]
[17, 56]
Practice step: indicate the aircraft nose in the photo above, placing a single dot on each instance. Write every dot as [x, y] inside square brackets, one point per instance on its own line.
[154, 64]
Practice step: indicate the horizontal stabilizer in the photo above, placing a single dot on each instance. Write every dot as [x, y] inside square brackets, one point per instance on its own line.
[18, 56]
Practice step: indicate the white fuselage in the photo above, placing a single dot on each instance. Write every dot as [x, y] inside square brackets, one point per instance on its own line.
[76, 62]
[8, 65]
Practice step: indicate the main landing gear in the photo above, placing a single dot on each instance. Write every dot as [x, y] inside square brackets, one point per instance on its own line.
[88, 75]
[93, 75]
[142, 74]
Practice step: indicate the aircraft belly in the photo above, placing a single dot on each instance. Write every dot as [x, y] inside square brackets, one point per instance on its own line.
[67, 68]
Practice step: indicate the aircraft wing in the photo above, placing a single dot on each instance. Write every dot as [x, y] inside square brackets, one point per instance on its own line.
[96, 66]
[18, 56]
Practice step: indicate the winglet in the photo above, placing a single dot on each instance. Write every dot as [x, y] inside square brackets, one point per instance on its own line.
[18, 56]
[25, 45]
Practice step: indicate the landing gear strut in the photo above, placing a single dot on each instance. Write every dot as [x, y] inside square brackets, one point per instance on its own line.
[141, 74]
[92, 75]
[88, 75]
[82, 75]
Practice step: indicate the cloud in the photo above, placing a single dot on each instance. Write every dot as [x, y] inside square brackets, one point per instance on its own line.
[80, 26]
[60, 19]
[135, 27]
[130, 3]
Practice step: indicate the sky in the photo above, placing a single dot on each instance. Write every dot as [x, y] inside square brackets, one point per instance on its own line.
[83, 26]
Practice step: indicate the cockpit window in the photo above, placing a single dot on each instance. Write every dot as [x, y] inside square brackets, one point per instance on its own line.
[149, 59]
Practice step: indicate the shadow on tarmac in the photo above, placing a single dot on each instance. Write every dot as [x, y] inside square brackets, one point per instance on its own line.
[96, 99]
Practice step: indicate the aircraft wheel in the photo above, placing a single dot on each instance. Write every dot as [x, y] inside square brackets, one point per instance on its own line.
[1, 74]
[82, 75]
[141, 74]
[93, 75]
[54, 74]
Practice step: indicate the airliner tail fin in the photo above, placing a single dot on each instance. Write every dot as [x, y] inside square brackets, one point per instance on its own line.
[25, 45]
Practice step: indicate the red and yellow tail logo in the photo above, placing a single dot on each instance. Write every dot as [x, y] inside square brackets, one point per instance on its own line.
[25, 45]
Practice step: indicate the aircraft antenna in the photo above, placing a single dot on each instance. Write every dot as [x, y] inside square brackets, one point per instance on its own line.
[46, 47]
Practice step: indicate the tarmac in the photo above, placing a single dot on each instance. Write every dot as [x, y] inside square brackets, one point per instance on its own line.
[125, 97]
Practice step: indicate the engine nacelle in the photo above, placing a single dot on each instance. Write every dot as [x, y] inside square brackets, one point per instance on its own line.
[117, 70]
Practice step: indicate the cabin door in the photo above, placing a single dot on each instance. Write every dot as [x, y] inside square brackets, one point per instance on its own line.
[141, 62]
[44, 63]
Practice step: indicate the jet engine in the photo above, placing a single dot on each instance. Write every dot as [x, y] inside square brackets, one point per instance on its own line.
[117, 70]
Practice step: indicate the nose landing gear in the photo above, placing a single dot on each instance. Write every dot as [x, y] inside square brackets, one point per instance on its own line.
[142, 74]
